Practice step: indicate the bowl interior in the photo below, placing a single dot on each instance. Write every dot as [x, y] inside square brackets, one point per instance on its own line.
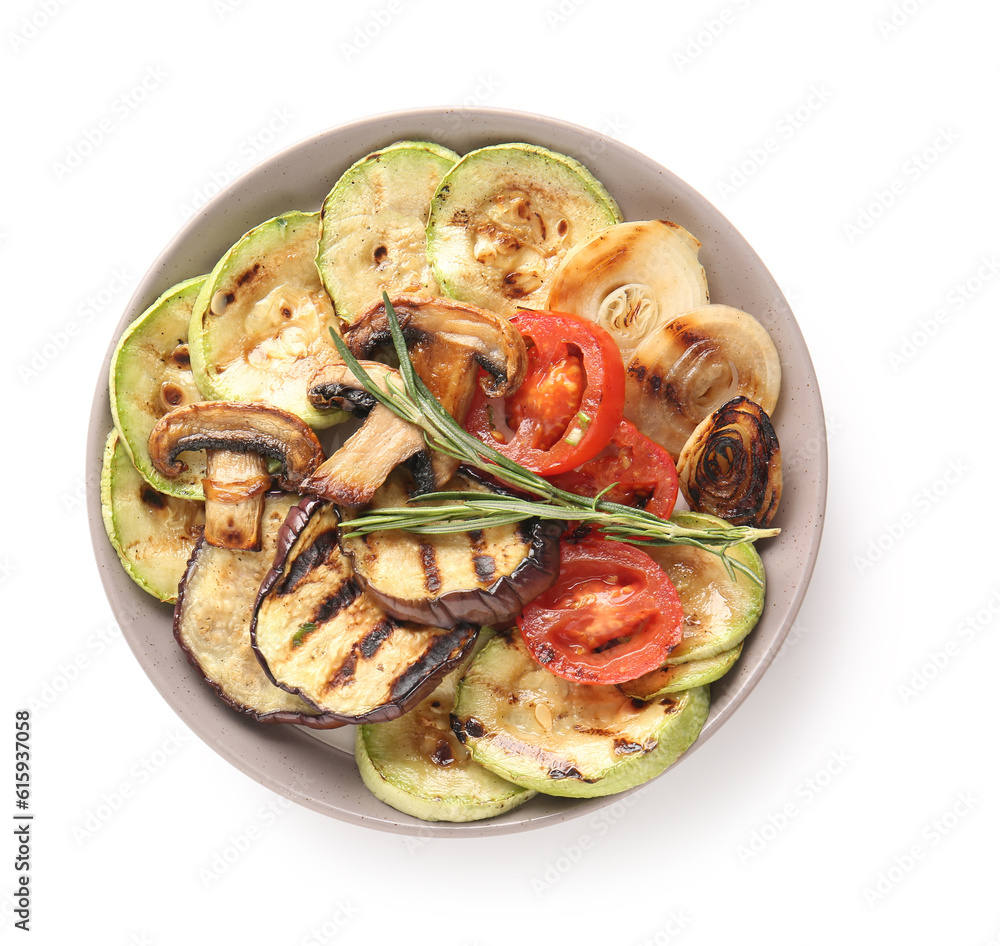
[318, 772]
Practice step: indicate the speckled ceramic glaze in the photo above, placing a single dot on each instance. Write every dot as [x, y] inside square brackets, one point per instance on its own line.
[321, 774]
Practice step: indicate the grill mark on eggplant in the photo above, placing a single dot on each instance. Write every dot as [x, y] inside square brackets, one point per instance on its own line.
[428, 561]
[376, 637]
[333, 604]
[484, 563]
[312, 556]
[441, 648]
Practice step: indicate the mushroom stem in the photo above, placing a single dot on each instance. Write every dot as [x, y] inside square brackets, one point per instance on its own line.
[234, 499]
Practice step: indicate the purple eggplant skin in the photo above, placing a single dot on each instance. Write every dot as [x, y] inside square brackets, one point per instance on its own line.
[393, 689]
[496, 605]
[313, 720]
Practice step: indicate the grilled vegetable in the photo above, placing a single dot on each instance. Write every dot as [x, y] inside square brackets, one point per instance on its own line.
[374, 220]
[479, 577]
[719, 611]
[693, 365]
[573, 739]
[153, 533]
[320, 636]
[631, 279]
[731, 465]
[416, 765]
[151, 375]
[238, 439]
[354, 472]
[260, 326]
[212, 624]
[503, 219]
[693, 673]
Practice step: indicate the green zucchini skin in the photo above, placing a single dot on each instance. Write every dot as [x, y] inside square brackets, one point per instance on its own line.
[318, 635]
[212, 619]
[504, 218]
[151, 375]
[153, 533]
[416, 765]
[683, 676]
[374, 221]
[719, 611]
[261, 324]
[561, 738]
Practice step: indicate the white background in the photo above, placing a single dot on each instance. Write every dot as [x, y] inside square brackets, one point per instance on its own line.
[856, 794]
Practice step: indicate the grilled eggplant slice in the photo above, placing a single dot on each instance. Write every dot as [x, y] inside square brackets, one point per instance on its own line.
[416, 765]
[153, 533]
[212, 624]
[374, 219]
[151, 375]
[504, 218]
[481, 577]
[719, 611]
[562, 738]
[320, 636]
[260, 326]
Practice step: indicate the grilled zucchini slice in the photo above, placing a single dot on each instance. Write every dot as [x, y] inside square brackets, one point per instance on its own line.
[151, 375]
[319, 635]
[212, 624]
[153, 533]
[260, 326]
[416, 765]
[374, 221]
[503, 219]
[562, 738]
[693, 673]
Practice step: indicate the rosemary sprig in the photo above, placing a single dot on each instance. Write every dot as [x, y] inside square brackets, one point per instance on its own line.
[463, 511]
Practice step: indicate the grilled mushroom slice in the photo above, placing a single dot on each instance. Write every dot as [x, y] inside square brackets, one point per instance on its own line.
[238, 439]
[731, 465]
[351, 475]
[448, 342]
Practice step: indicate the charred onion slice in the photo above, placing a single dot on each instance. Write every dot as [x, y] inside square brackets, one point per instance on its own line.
[153, 533]
[212, 624]
[320, 636]
[631, 279]
[238, 439]
[731, 466]
[479, 577]
[692, 366]
[351, 475]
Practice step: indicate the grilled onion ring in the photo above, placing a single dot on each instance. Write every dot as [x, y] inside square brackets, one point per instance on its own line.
[731, 465]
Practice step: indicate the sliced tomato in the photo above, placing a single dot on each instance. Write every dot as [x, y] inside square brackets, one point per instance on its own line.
[612, 615]
[644, 472]
[570, 403]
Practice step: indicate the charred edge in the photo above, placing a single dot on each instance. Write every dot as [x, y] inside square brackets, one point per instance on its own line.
[333, 604]
[260, 446]
[357, 403]
[428, 561]
[422, 470]
[626, 747]
[312, 556]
